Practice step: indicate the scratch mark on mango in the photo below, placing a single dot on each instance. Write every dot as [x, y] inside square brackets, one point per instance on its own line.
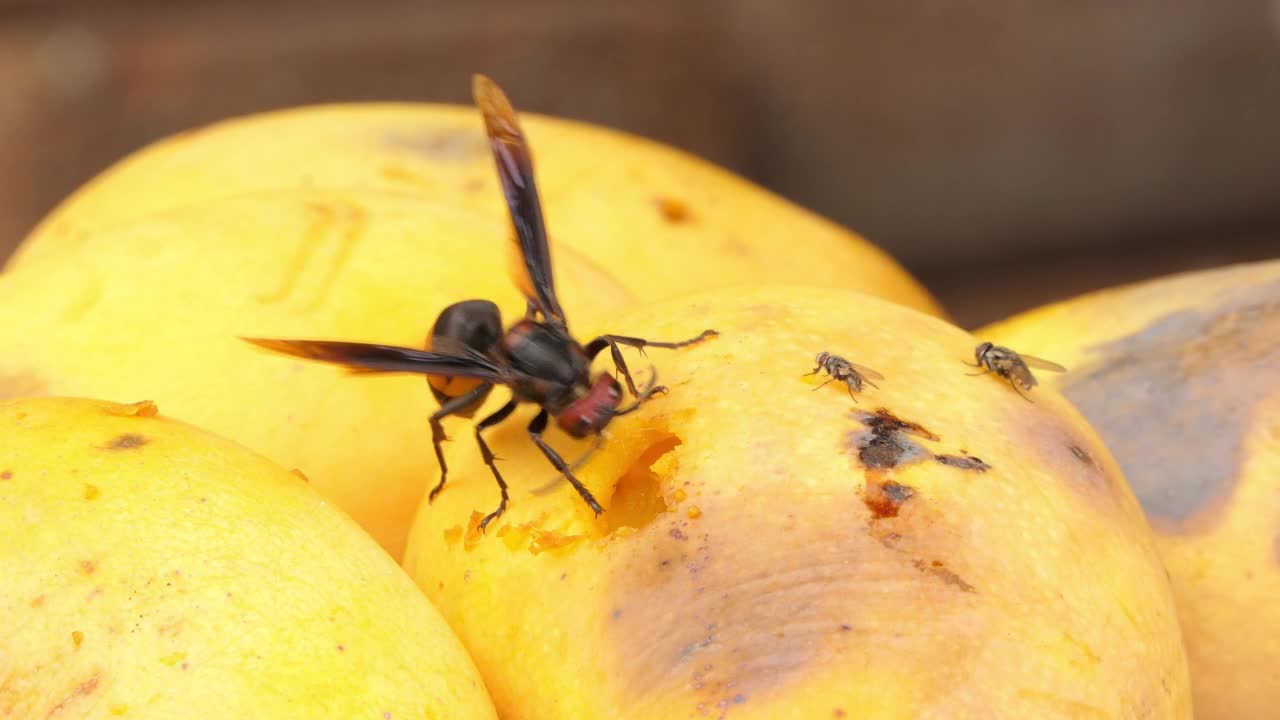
[325, 217]
[84, 689]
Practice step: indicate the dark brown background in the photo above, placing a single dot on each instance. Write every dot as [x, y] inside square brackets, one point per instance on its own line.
[1008, 152]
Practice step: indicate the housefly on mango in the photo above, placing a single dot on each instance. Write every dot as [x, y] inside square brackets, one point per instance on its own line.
[536, 357]
[854, 376]
[1012, 366]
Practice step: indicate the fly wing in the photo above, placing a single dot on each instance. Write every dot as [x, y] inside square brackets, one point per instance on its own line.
[515, 173]
[1041, 363]
[370, 358]
[866, 371]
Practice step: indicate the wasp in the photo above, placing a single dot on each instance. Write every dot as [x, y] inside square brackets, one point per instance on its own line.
[852, 374]
[536, 358]
[1012, 366]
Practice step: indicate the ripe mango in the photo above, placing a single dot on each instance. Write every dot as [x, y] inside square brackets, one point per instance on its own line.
[1181, 377]
[150, 569]
[772, 547]
[153, 307]
[662, 221]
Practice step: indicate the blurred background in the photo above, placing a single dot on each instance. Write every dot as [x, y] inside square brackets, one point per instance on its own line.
[1007, 152]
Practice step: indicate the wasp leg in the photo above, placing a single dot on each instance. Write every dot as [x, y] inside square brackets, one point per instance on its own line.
[438, 437]
[536, 429]
[984, 372]
[487, 454]
[595, 447]
[640, 343]
[613, 341]
[618, 361]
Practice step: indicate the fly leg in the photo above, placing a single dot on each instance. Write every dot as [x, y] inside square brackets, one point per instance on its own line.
[487, 454]
[438, 437]
[536, 429]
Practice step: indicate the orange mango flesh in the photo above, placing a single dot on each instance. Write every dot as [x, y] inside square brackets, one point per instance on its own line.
[149, 569]
[773, 550]
[662, 221]
[153, 307]
[1181, 377]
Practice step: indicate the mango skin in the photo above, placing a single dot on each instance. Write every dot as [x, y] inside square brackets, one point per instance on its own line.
[149, 569]
[663, 221]
[1181, 377]
[753, 560]
[154, 308]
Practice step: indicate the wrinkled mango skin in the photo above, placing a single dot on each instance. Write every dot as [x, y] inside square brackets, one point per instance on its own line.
[937, 548]
[663, 221]
[1181, 377]
[149, 569]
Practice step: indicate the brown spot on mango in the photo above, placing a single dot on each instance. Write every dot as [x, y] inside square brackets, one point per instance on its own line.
[127, 441]
[1196, 370]
[87, 567]
[673, 210]
[885, 499]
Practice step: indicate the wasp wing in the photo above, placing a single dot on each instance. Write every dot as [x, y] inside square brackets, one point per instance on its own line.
[1041, 363]
[515, 173]
[370, 358]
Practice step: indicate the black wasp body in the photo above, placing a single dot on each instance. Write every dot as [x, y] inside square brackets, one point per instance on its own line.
[1012, 366]
[536, 358]
[854, 376]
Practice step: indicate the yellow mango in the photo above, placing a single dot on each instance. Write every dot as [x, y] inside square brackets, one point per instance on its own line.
[149, 569]
[153, 307]
[1181, 377]
[662, 221]
[935, 546]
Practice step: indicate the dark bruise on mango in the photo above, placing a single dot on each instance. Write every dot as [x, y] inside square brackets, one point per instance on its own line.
[127, 441]
[886, 443]
[1196, 375]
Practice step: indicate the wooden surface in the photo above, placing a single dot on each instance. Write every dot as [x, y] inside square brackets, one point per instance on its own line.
[1006, 152]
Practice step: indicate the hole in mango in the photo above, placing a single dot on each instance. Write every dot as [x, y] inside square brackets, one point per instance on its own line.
[637, 496]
